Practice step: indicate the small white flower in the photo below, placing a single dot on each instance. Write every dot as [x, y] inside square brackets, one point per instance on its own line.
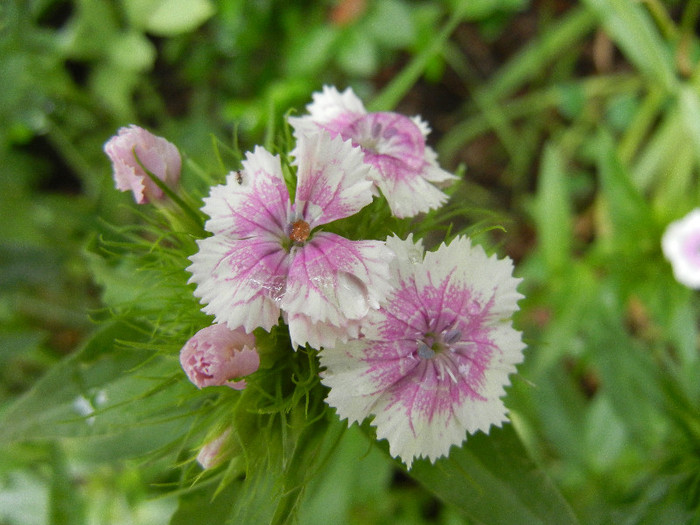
[681, 246]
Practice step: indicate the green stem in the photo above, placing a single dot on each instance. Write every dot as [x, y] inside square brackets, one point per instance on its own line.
[663, 20]
[402, 83]
[643, 120]
[530, 104]
[537, 55]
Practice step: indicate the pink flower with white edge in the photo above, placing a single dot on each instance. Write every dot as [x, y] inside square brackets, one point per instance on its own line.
[681, 246]
[156, 154]
[266, 255]
[217, 356]
[433, 362]
[213, 453]
[405, 169]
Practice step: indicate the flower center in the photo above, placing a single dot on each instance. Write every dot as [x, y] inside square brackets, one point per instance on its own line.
[300, 231]
[433, 344]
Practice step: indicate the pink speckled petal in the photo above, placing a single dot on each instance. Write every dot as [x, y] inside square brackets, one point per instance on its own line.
[332, 179]
[333, 280]
[241, 281]
[253, 202]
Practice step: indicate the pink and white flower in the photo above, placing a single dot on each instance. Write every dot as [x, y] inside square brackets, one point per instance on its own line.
[405, 169]
[433, 362]
[681, 246]
[156, 154]
[267, 256]
[217, 356]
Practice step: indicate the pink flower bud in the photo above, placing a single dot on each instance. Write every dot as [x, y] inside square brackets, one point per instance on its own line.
[211, 454]
[156, 154]
[216, 356]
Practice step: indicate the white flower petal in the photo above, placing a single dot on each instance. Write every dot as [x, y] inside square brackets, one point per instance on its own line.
[318, 335]
[681, 246]
[253, 201]
[241, 281]
[333, 280]
[330, 103]
[332, 179]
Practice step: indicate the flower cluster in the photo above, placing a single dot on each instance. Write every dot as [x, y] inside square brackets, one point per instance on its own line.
[422, 343]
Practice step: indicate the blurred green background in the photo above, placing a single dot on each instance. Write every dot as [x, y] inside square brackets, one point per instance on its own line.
[579, 127]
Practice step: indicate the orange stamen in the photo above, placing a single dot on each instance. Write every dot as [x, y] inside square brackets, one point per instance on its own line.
[300, 231]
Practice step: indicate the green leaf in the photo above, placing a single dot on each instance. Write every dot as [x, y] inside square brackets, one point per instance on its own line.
[201, 506]
[118, 399]
[399, 33]
[67, 507]
[132, 51]
[168, 17]
[357, 54]
[552, 211]
[493, 481]
[633, 31]
[631, 222]
[690, 110]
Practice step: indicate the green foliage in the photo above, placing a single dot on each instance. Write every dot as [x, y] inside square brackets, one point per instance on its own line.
[575, 163]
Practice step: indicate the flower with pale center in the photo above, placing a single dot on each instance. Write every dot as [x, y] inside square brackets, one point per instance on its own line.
[432, 363]
[156, 154]
[217, 356]
[405, 169]
[267, 256]
[681, 246]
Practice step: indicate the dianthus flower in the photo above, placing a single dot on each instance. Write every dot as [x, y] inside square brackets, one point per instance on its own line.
[681, 246]
[156, 154]
[434, 360]
[216, 356]
[405, 168]
[267, 256]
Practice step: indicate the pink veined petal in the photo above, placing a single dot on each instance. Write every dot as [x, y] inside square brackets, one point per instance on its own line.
[353, 392]
[433, 363]
[253, 201]
[407, 192]
[389, 135]
[241, 281]
[405, 169]
[332, 179]
[332, 279]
